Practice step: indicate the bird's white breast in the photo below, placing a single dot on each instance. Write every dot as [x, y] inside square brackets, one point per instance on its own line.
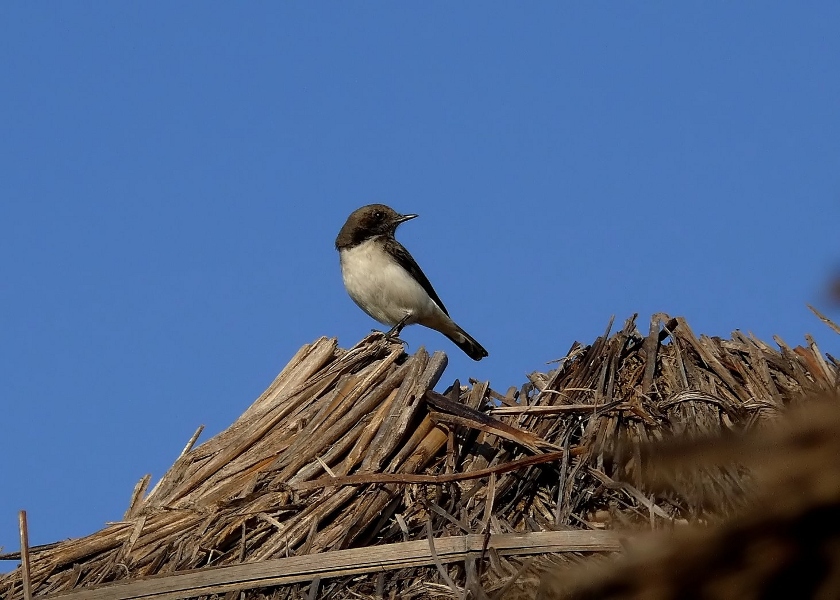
[381, 287]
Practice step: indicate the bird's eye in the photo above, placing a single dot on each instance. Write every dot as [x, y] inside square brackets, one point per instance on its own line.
[378, 215]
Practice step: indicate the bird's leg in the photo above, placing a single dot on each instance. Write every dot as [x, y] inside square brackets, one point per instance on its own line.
[394, 333]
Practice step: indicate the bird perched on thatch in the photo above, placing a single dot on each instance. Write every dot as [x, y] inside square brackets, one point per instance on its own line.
[385, 281]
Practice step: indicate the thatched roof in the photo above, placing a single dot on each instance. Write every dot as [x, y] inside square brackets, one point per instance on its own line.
[350, 477]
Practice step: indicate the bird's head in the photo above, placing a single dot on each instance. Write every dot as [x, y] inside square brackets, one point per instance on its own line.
[368, 222]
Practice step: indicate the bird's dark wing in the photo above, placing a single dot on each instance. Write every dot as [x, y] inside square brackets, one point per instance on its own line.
[408, 263]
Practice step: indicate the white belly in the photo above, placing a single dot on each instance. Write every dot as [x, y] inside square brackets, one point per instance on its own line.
[382, 288]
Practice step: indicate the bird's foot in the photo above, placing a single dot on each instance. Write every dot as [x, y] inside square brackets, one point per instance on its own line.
[394, 332]
[389, 336]
[396, 339]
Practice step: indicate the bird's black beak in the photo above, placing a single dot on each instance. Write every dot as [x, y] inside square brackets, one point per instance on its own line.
[404, 218]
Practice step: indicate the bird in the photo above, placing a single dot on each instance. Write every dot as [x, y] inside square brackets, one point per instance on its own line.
[384, 280]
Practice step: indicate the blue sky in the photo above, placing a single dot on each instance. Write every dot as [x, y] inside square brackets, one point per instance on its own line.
[173, 177]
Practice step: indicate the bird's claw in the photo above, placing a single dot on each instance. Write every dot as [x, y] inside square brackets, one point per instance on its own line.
[395, 339]
[389, 336]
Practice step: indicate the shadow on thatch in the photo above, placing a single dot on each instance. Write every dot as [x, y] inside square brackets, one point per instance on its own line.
[351, 449]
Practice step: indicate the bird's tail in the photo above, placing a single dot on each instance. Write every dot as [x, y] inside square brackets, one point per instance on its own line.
[467, 343]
